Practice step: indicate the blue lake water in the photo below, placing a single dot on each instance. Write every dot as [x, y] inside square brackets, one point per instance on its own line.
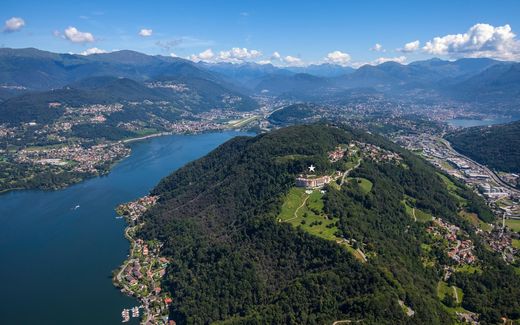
[466, 123]
[57, 260]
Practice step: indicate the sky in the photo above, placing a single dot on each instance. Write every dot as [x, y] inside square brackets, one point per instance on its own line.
[285, 33]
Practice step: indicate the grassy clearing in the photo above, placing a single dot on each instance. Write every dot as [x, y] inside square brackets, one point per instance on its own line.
[474, 220]
[292, 201]
[516, 243]
[408, 208]
[305, 211]
[420, 215]
[468, 269]
[513, 224]
[364, 184]
[452, 188]
[443, 289]
[446, 165]
[287, 158]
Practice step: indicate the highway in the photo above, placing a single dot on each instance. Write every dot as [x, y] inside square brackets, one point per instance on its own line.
[486, 169]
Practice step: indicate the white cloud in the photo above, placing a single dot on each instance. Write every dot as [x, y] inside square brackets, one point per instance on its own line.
[276, 56]
[234, 55]
[292, 61]
[237, 55]
[411, 47]
[75, 36]
[145, 32]
[279, 60]
[338, 57]
[206, 55]
[377, 48]
[93, 50]
[400, 59]
[481, 40]
[13, 24]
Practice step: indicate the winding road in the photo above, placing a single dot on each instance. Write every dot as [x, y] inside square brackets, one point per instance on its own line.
[348, 171]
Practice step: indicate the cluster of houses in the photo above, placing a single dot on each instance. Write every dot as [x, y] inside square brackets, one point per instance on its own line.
[144, 270]
[133, 210]
[461, 250]
[337, 154]
[501, 240]
[86, 160]
[377, 153]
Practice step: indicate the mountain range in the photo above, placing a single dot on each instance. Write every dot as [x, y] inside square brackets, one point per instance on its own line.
[481, 82]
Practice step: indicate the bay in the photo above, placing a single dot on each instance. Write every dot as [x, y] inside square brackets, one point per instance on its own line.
[57, 259]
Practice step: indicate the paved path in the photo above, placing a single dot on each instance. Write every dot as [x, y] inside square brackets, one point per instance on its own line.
[345, 174]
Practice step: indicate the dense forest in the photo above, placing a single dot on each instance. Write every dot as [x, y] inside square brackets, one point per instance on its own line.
[235, 264]
[495, 146]
[293, 114]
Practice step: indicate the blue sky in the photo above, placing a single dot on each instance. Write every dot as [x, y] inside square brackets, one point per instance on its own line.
[300, 32]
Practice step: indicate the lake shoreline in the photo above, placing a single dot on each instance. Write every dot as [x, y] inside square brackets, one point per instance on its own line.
[43, 234]
[140, 275]
[114, 163]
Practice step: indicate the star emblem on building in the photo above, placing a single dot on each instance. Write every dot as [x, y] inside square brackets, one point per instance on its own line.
[312, 168]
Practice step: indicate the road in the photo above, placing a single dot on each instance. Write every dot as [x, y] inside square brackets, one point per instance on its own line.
[486, 169]
[348, 171]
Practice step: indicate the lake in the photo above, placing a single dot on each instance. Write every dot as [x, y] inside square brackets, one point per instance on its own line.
[57, 261]
[466, 123]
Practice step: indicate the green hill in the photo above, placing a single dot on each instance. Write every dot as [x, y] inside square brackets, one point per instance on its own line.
[496, 146]
[237, 262]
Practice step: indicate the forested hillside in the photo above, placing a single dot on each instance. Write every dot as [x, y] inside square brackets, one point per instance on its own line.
[235, 262]
[496, 146]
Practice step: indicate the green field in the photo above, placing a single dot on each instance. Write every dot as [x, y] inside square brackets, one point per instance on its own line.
[516, 243]
[287, 158]
[364, 184]
[513, 224]
[468, 269]
[420, 215]
[443, 289]
[474, 220]
[452, 188]
[306, 211]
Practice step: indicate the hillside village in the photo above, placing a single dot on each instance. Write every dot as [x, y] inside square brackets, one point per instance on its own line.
[142, 273]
